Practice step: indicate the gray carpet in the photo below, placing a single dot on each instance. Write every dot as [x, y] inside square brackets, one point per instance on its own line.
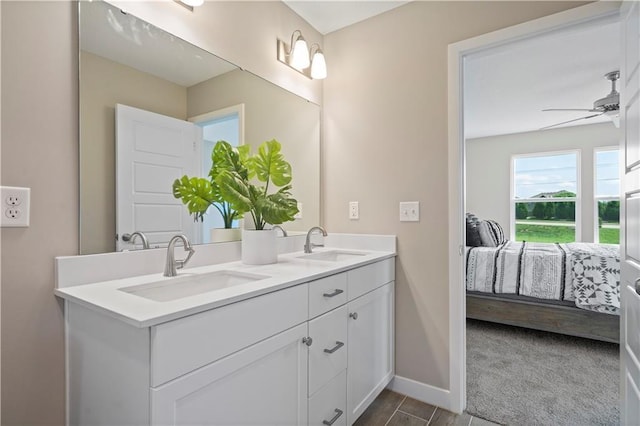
[517, 376]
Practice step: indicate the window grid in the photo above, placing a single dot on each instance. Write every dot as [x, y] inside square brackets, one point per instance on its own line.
[563, 184]
[614, 163]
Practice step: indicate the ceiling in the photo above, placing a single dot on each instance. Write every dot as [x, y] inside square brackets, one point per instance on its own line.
[328, 16]
[507, 87]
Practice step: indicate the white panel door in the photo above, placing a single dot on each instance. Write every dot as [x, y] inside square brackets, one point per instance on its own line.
[630, 216]
[370, 351]
[152, 150]
[264, 384]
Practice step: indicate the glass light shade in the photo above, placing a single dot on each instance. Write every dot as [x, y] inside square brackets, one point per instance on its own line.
[318, 66]
[193, 3]
[299, 54]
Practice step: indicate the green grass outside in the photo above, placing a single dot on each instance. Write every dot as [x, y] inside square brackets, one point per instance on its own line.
[545, 233]
[560, 234]
[610, 235]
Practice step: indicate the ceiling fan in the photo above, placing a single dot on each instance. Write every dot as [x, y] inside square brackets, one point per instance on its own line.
[609, 105]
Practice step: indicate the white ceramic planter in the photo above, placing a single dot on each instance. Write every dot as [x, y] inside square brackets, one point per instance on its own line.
[221, 235]
[259, 247]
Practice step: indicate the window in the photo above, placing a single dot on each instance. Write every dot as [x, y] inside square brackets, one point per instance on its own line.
[545, 193]
[607, 196]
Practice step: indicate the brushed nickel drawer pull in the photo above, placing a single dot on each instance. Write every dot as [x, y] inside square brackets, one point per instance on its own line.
[336, 292]
[333, 420]
[335, 348]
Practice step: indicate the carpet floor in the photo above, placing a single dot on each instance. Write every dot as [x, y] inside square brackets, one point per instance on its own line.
[517, 376]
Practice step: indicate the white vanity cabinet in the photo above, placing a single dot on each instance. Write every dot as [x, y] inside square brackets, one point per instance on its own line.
[314, 353]
[371, 348]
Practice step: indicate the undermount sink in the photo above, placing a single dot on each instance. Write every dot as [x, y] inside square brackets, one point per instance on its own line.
[186, 285]
[332, 255]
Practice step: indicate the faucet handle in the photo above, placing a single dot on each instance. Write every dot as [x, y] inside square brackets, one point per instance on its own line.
[180, 263]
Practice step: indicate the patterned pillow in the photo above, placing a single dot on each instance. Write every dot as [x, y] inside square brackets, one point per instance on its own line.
[473, 233]
[487, 237]
[497, 234]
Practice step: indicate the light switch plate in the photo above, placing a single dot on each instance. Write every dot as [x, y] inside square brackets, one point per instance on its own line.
[410, 211]
[354, 210]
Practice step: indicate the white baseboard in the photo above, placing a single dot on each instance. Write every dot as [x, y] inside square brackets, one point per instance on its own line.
[422, 392]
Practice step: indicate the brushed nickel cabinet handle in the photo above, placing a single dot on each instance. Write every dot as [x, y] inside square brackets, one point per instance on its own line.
[353, 315]
[335, 348]
[336, 292]
[638, 286]
[307, 341]
[333, 420]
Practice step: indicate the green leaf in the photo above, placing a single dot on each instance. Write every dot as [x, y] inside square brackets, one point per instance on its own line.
[234, 189]
[269, 163]
[196, 193]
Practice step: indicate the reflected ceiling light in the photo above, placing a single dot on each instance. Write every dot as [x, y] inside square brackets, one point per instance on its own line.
[297, 54]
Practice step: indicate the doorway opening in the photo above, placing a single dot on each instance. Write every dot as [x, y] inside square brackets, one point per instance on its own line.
[459, 55]
[225, 124]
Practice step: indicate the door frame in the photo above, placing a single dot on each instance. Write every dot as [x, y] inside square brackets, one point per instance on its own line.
[456, 170]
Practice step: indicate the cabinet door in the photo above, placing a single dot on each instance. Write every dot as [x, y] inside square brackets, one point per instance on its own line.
[328, 353]
[264, 384]
[370, 359]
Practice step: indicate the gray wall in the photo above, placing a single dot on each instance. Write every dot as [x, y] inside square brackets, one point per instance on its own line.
[489, 167]
[40, 151]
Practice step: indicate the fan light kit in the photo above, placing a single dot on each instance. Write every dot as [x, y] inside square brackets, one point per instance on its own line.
[609, 105]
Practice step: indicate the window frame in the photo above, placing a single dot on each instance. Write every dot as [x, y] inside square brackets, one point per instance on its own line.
[577, 199]
[596, 198]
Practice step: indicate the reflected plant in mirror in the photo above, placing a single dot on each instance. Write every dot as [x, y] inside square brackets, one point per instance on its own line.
[268, 167]
[201, 194]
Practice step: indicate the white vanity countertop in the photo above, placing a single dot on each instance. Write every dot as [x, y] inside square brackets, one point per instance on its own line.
[106, 296]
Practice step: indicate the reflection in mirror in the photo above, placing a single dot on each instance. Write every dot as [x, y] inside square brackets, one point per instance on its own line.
[172, 101]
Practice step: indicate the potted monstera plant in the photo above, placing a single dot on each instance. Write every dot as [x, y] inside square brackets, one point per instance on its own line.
[259, 186]
[199, 194]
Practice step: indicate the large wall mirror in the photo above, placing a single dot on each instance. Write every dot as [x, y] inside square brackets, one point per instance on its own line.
[140, 74]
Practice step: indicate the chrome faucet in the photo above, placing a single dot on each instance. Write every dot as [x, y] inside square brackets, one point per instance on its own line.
[173, 264]
[130, 238]
[284, 233]
[308, 245]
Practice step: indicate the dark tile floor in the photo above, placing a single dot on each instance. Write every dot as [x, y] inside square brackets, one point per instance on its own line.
[394, 409]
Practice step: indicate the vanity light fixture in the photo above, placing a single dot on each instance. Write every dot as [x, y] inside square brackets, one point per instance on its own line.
[297, 54]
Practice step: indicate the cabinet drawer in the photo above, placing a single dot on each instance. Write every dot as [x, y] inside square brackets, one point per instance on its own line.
[183, 345]
[366, 278]
[326, 294]
[330, 403]
[328, 353]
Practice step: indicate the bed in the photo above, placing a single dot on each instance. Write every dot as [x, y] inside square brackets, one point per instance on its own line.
[571, 288]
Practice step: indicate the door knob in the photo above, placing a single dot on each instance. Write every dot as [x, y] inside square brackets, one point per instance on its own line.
[638, 286]
[354, 315]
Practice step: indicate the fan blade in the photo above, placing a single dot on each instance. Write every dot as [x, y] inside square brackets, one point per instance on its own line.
[570, 121]
[571, 109]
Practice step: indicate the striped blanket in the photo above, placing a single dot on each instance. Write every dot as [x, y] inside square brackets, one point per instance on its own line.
[585, 273]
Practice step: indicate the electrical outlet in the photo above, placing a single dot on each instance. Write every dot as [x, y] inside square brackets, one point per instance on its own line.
[410, 211]
[354, 210]
[15, 206]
